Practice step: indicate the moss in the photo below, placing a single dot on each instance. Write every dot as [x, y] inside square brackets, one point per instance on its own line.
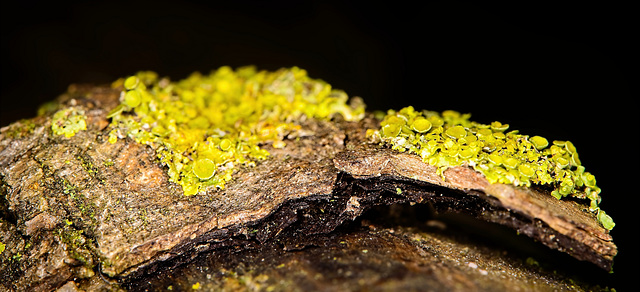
[204, 127]
[450, 139]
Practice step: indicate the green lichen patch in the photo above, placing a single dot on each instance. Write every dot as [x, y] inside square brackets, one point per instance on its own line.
[48, 108]
[204, 126]
[19, 129]
[451, 139]
[605, 219]
[68, 122]
[77, 244]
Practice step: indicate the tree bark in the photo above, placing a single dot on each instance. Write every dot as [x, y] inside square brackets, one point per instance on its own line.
[80, 212]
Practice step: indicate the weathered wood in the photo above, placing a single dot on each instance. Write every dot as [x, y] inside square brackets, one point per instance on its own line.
[85, 209]
[389, 249]
[560, 224]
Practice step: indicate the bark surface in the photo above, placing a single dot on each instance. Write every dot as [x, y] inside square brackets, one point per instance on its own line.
[82, 212]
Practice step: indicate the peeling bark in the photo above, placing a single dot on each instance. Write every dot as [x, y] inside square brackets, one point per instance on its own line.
[82, 209]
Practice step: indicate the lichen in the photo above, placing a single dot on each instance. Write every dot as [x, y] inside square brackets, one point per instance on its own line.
[48, 108]
[68, 122]
[77, 245]
[450, 139]
[20, 129]
[203, 127]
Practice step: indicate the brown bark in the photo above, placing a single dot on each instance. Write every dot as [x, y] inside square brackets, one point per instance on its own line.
[82, 209]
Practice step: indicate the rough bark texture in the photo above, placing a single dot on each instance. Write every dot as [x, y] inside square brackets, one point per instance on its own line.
[393, 248]
[82, 212]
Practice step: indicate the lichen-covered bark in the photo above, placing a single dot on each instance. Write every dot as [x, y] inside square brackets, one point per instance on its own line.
[80, 208]
[560, 224]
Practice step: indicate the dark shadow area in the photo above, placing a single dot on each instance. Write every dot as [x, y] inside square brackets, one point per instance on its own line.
[377, 246]
[465, 228]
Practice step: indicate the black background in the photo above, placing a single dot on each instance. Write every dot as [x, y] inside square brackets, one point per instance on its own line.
[560, 71]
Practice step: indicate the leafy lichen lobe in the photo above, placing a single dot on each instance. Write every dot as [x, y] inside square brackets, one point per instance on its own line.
[450, 139]
[204, 126]
[68, 122]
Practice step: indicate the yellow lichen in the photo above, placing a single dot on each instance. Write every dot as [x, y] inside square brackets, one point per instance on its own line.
[451, 139]
[68, 122]
[204, 126]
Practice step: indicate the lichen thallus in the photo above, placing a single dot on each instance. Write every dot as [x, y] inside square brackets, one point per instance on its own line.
[204, 126]
[450, 139]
